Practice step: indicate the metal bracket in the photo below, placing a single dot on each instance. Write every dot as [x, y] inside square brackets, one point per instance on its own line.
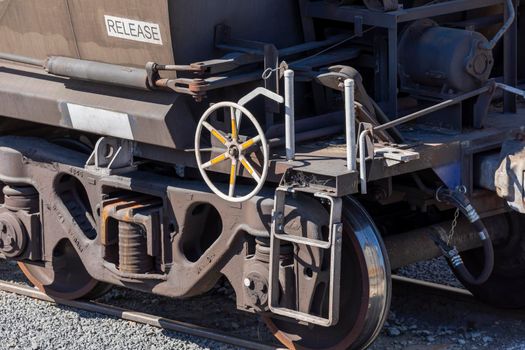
[397, 154]
[112, 155]
[261, 91]
[482, 105]
[365, 143]
[333, 244]
[252, 95]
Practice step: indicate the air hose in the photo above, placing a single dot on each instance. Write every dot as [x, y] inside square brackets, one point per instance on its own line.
[458, 199]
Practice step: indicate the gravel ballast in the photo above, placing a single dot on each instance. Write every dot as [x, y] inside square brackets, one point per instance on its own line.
[417, 321]
[31, 324]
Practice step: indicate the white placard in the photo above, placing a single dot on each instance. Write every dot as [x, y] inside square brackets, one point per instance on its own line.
[100, 121]
[130, 29]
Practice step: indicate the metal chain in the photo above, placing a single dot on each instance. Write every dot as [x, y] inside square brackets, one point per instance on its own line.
[453, 227]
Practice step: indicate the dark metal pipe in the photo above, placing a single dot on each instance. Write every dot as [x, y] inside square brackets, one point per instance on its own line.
[432, 109]
[98, 72]
[511, 17]
[309, 135]
[22, 59]
[306, 124]
[414, 246]
[383, 118]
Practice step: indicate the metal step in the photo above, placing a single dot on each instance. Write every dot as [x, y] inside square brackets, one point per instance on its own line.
[333, 244]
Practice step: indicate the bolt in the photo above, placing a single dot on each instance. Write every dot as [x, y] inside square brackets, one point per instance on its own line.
[247, 282]
[339, 229]
[234, 152]
[380, 194]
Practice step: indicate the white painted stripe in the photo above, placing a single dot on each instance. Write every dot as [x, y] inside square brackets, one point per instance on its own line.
[100, 121]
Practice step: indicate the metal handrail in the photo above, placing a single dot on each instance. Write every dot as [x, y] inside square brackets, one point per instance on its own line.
[350, 125]
[506, 26]
[289, 118]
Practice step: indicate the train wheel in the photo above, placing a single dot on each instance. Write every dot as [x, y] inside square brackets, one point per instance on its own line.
[66, 278]
[505, 286]
[365, 291]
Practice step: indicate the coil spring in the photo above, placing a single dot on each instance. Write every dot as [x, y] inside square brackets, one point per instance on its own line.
[133, 254]
[21, 198]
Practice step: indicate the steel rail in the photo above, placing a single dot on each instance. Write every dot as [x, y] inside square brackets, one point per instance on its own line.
[441, 288]
[138, 317]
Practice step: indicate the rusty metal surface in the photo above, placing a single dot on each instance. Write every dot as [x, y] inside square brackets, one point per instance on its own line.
[150, 223]
[48, 31]
[87, 20]
[152, 122]
[133, 256]
[76, 28]
[20, 223]
[155, 118]
[199, 265]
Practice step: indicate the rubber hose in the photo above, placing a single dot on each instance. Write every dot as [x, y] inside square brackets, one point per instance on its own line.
[460, 201]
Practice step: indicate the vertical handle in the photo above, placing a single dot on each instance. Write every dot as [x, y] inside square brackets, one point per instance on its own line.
[289, 104]
[351, 151]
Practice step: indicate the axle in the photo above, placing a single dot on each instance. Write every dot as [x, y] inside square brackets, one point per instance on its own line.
[417, 245]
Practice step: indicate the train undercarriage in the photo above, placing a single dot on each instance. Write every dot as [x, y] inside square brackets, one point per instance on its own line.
[304, 166]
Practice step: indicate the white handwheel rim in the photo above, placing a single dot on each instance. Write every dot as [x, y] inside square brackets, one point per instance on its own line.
[264, 147]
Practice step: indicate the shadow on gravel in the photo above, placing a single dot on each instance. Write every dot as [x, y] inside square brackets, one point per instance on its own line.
[215, 310]
[423, 319]
[10, 272]
[418, 319]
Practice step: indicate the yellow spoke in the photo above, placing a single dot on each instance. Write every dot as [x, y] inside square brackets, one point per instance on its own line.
[233, 177]
[215, 160]
[234, 124]
[249, 143]
[215, 133]
[245, 163]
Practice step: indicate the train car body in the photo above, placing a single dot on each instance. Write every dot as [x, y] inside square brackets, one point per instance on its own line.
[132, 33]
[301, 149]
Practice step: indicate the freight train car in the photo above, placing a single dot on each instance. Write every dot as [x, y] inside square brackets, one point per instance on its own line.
[301, 149]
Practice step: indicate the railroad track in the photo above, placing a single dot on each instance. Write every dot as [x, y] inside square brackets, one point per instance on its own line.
[138, 317]
[401, 284]
[432, 288]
